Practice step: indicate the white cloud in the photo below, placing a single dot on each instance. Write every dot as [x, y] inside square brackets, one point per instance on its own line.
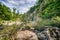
[21, 5]
[22, 2]
[23, 9]
[13, 2]
[30, 0]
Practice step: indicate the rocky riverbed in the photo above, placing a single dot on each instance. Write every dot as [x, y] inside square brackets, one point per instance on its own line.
[49, 33]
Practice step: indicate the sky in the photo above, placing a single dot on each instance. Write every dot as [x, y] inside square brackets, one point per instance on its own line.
[21, 5]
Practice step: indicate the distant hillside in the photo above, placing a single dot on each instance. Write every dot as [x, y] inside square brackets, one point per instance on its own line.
[46, 7]
[47, 10]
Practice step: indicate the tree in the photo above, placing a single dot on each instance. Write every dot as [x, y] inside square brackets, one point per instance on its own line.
[14, 10]
[5, 12]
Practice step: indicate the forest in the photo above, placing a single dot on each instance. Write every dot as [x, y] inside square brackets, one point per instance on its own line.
[45, 13]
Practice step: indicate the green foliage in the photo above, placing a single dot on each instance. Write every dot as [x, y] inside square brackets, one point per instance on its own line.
[48, 10]
[5, 12]
[14, 10]
[47, 13]
[42, 23]
[8, 31]
[35, 7]
[56, 21]
[51, 10]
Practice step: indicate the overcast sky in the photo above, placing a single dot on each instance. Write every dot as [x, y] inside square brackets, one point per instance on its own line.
[21, 5]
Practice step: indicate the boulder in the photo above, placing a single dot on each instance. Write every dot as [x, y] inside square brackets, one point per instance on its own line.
[50, 33]
[26, 35]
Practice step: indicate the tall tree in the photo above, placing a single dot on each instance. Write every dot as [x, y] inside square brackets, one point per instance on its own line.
[14, 10]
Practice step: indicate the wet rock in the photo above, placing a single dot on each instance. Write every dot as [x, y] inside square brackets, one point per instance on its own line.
[50, 33]
[1, 27]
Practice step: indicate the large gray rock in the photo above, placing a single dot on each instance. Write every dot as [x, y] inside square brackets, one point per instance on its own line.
[1, 27]
[50, 33]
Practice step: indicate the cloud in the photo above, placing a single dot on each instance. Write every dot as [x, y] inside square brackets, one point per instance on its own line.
[23, 9]
[21, 5]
